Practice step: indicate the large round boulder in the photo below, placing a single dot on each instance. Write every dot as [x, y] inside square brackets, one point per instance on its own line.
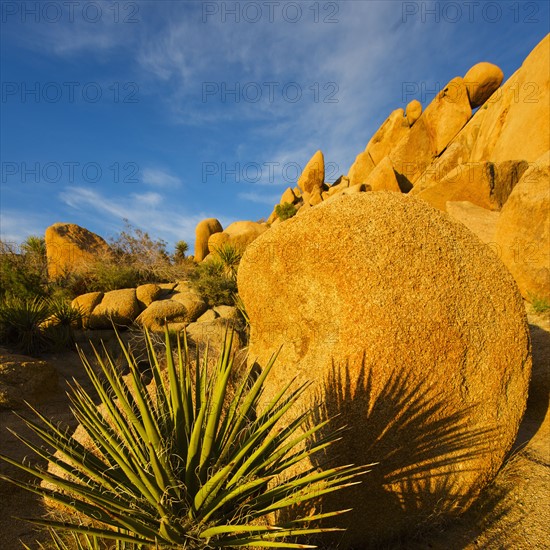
[117, 307]
[413, 332]
[482, 80]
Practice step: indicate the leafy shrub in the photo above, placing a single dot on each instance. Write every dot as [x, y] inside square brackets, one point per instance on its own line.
[210, 280]
[180, 250]
[21, 323]
[188, 465]
[23, 270]
[285, 211]
[229, 256]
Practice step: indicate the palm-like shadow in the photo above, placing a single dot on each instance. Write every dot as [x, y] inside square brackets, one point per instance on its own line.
[427, 453]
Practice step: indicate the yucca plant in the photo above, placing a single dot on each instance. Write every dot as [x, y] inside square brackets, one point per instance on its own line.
[64, 317]
[21, 323]
[230, 257]
[187, 463]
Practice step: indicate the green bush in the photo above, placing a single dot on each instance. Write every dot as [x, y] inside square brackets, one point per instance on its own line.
[285, 211]
[211, 281]
[540, 305]
[191, 464]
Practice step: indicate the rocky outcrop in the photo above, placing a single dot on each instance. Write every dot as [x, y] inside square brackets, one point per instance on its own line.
[147, 294]
[117, 308]
[24, 379]
[421, 347]
[360, 169]
[71, 248]
[413, 111]
[313, 175]
[482, 80]
[392, 131]
[238, 234]
[486, 184]
[204, 230]
[480, 221]
[523, 232]
[86, 304]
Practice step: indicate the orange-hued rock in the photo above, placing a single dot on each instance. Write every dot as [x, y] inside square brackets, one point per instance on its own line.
[360, 169]
[523, 232]
[393, 129]
[239, 234]
[382, 178]
[515, 125]
[485, 184]
[413, 332]
[440, 122]
[482, 80]
[117, 308]
[480, 221]
[204, 230]
[86, 304]
[313, 175]
[413, 111]
[71, 248]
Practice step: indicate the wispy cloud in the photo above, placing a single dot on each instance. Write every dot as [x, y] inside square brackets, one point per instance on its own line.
[160, 178]
[148, 211]
[260, 198]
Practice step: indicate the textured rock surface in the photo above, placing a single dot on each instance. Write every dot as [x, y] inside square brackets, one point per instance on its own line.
[239, 234]
[147, 294]
[478, 220]
[86, 304]
[23, 379]
[482, 80]
[413, 111]
[393, 129]
[160, 311]
[119, 307]
[313, 175]
[523, 231]
[203, 232]
[70, 248]
[486, 184]
[360, 169]
[382, 178]
[413, 331]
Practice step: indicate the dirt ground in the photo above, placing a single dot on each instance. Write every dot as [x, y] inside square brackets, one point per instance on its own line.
[513, 514]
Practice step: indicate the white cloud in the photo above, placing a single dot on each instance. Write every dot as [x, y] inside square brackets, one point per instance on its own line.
[16, 226]
[260, 198]
[160, 178]
[147, 211]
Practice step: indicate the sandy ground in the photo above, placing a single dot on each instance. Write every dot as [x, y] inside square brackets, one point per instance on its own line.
[513, 514]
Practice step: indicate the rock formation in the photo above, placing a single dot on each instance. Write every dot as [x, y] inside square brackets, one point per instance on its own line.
[69, 248]
[204, 230]
[413, 332]
[313, 175]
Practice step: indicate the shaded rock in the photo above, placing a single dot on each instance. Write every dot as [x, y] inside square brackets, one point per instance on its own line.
[418, 340]
[204, 230]
[288, 196]
[147, 294]
[213, 334]
[71, 248]
[478, 220]
[154, 317]
[392, 131]
[360, 169]
[482, 80]
[413, 111]
[313, 175]
[25, 379]
[86, 304]
[191, 299]
[118, 307]
[315, 197]
[483, 183]
[207, 316]
[228, 312]
[383, 177]
[523, 232]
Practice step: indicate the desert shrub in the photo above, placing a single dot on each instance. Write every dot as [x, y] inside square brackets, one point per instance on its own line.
[23, 269]
[22, 323]
[230, 257]
[211, 281]
[540, 305]
[189, 464]
[285, 211]
[180, 250]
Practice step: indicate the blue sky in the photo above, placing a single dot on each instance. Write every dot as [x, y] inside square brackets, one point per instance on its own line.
[167, 112]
